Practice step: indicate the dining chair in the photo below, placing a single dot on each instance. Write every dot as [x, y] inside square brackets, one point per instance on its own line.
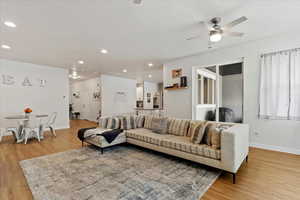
[32, 128]
[51, 122]
[5, 128]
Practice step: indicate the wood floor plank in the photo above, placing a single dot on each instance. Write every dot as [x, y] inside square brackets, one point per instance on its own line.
[268, 175]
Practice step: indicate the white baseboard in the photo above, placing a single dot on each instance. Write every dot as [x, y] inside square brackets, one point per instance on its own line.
[276, 148]
[56, 128]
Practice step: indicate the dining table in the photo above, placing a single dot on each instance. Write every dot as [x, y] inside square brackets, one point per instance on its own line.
[23, 120]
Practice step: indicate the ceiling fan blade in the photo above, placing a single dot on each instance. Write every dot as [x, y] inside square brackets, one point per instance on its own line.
[234, 34]
[235, 22]
[195, 37]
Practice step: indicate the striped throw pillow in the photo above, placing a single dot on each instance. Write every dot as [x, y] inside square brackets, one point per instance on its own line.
[139, 121]
[209, 129]
[178, 127]
[194, 126]
[113, 123]
[128, 122]
[103, 122]
[148, 122]
[197, 132]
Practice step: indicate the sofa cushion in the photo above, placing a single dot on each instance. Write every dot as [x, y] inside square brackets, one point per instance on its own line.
[209, 129]
[148, 121]
[193, 125]
[145, 135]
[216, 139]
[182, 143]
[178, 127]
[103, 122]
[198, 134]
[159, 125]
[139, 121]
[100, 141]
[127, 122]
[113, 123]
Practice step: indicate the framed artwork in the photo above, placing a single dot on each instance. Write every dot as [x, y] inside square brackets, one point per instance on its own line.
[176, 73]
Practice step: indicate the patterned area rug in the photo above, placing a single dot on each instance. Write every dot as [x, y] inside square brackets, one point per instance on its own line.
[121, 173]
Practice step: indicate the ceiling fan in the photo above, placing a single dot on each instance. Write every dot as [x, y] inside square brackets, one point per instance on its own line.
[216, 31]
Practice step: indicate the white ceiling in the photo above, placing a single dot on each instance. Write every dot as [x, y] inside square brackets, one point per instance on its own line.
[60, 32]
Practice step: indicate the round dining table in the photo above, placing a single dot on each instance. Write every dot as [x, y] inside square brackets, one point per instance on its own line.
[18, 132]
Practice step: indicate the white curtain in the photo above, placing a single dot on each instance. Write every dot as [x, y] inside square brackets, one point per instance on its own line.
[280, 85]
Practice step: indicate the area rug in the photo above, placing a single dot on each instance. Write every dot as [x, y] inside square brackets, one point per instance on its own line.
[121, 173]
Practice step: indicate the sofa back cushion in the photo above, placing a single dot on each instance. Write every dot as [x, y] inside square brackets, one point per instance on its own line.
[103, 122]
[128, 122]
[159, 125]
[139, 121]
[148, 121]
[209, 130]
[194, 124]
[113, 123]
[216, 139]
[178, 127]
[197, 132]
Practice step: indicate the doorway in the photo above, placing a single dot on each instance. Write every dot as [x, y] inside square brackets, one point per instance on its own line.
[218, 92]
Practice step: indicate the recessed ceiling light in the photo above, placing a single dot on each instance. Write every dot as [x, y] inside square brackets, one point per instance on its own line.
[150, 64]
[4, 46]
[10, 24]
[104, 51]
[81, 62]
[149, 76]
[124, 70]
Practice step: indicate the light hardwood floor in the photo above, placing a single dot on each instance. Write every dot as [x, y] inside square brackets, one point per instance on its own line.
[268, 175]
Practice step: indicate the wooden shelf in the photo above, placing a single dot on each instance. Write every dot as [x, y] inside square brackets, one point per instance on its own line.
[176, 88]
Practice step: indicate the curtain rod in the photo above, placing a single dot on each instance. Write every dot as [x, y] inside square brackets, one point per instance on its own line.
[282, 51]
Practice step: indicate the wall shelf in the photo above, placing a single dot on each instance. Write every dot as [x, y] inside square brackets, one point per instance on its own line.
[176, 88]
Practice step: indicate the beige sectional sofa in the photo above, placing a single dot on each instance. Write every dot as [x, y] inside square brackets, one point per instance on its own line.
[234, 143]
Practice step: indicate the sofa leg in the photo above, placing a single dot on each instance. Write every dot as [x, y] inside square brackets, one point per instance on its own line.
[82, 143]
[247, 159]
[233, 177]
[101, 150]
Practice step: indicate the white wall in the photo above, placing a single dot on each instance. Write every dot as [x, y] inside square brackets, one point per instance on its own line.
[272, 134]
[53, 97]
[232, 96]
[86, 104]
[151, 88]
[118, 95]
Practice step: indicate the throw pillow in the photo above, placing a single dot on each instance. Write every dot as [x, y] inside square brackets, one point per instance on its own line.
[103, 122]
[128, 122]
[139, 121]
[159, 125]
[113, 123]
[148, 122]
[193, 126]
[198, 133]
[216, 139]
[178, 127]
[211, 126]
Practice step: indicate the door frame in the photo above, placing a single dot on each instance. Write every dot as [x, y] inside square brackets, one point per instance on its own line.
[195, 85]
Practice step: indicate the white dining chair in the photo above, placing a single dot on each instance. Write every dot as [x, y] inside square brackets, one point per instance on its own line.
[51, 122]
[32, 128]
[6, 128]
[2, 130]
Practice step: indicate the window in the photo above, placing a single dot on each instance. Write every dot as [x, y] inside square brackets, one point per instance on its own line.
[280, 85]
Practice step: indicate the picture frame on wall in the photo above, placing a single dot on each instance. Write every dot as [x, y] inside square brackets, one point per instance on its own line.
[176, 73]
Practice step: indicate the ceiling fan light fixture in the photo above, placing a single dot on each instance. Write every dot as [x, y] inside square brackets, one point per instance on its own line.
[215, 36]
